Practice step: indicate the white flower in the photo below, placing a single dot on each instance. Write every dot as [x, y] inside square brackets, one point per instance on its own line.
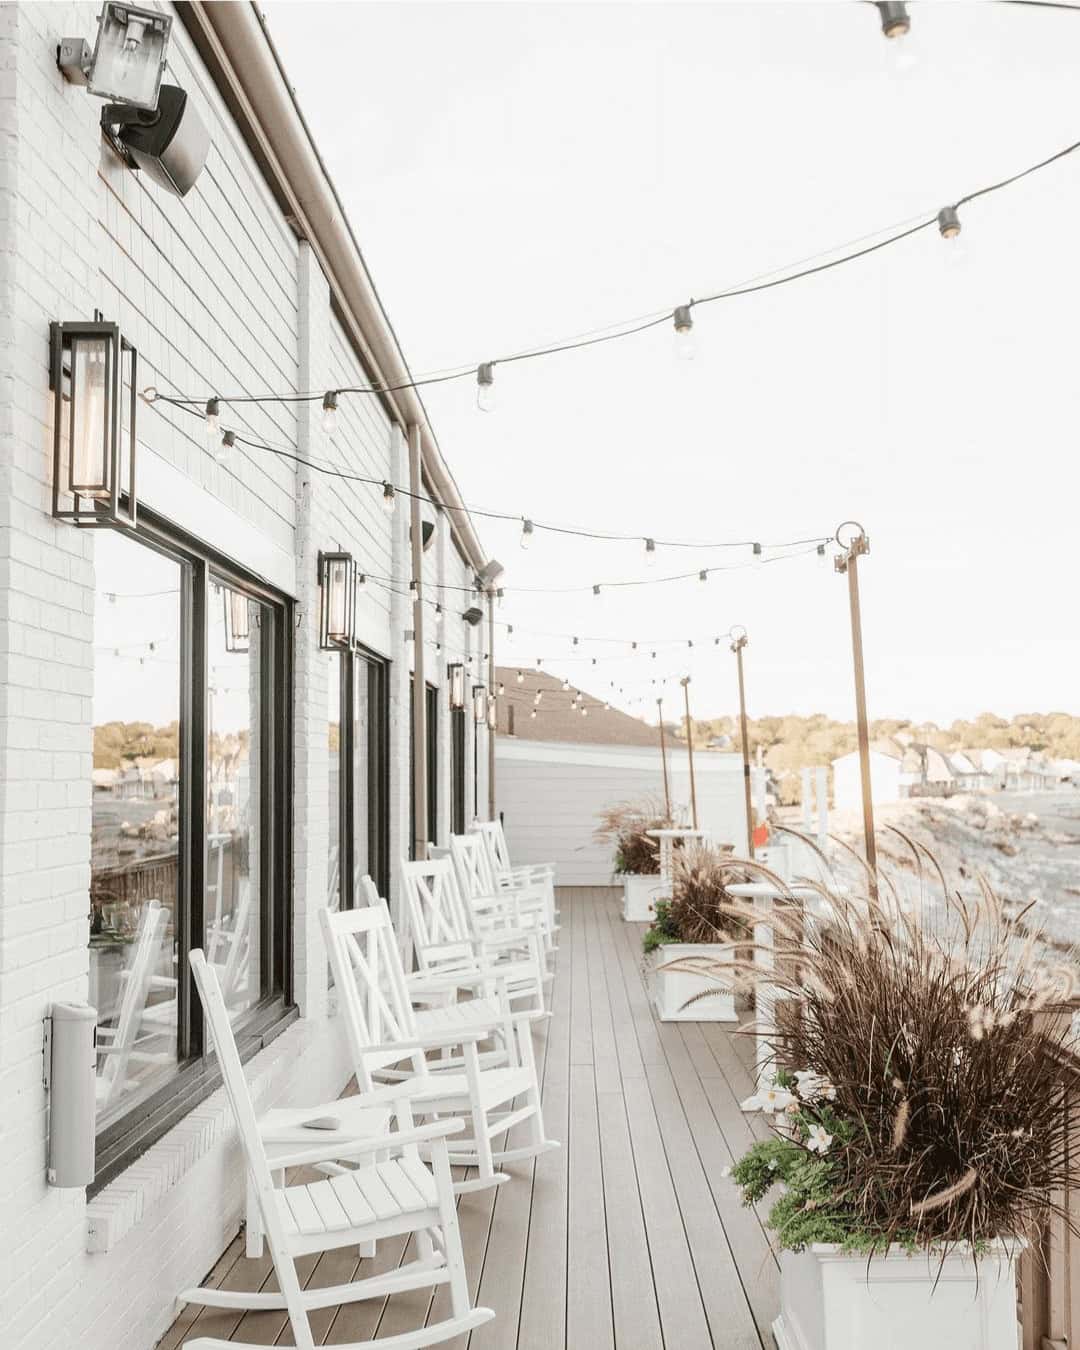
[818, 1140]
[812, 1086]
[770, 1099]
[725, 1171]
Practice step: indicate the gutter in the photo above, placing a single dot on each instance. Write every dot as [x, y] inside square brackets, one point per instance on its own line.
[234, 42]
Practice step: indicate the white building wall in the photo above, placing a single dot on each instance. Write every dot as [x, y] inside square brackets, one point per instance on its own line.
[216, 293]
[847, 780]
[551, 795]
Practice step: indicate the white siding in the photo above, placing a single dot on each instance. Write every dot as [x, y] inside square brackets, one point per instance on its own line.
[551, 795]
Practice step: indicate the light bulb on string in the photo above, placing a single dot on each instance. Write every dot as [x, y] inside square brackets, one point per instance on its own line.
[389, 498]
[539, 696]
[566, 686]
[213, 423]
[584, 711]
[485, 386]
[596, 590]
[438, 616]
[951, 231]
[228, 441]
[500, 689]
[758, 555]
[330, 412]
[526, 533]
[521, 677]
[532, 713]
[896, 26]
[822, 559]
[703, 575]
[685, 346]
[650, 552]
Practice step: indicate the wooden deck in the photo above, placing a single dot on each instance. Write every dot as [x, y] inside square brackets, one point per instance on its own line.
[628, 1236]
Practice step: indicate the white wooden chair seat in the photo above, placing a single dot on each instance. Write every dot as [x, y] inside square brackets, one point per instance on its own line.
[448, 1093]
[386, 1190]
[381, 1193]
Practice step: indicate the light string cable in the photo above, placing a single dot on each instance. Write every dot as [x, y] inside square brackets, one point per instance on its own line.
[617, 332]
[393, 490]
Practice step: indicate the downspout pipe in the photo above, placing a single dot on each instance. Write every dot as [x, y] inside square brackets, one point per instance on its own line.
[237, 38]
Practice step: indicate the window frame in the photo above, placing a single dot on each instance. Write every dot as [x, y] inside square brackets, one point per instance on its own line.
[360, 662]
[197, 1075]
[458, 776]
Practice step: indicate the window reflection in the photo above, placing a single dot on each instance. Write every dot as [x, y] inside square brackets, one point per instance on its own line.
[134, 922]
[363, 821]
[232, 908]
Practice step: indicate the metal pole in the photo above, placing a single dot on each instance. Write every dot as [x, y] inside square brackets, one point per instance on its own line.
[419, 686]
[849, 562]
[690, 749]
[739, 642]
[491, 695]
[663, 761]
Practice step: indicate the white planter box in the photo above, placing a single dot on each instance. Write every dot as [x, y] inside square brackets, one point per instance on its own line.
[640, 895]
[829, 1301]
[671, 988]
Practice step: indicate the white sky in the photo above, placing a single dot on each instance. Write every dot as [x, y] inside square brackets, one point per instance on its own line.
[522, 172]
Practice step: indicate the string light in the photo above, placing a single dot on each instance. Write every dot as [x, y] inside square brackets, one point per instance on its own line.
[566, 686]
[485, 386]
[703, 575]
[948, 220]
[895, 20]
[213, 423]
[526, 533]
[895, 24]
[533, 713]
[389, 498]
[685, 346]
[596, 590]
[227, 442]
[650, 552]
[521, 677]
[539, 696]
[439, 615]
[821, 557]
[758, 555]
[330, 412]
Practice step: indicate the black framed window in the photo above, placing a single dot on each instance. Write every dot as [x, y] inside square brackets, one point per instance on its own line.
[191, 823]
[457, 770]
[431, 760]
[368, 757]
[359, 744]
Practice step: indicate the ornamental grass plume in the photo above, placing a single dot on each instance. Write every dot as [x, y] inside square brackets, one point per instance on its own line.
[699, 909]
[944, 1039]
[624, 825]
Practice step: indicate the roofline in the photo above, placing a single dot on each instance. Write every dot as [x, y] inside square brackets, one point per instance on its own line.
[236, 46]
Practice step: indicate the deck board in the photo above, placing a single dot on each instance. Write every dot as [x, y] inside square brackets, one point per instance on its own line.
[626, 1237]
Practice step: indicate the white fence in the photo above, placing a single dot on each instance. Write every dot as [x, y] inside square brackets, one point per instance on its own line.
[550, 795]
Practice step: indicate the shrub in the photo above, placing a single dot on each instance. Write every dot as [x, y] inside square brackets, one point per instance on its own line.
[700, 905]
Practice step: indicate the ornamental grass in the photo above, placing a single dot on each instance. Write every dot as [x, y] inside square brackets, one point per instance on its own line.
[922, 1074]
[624, 826]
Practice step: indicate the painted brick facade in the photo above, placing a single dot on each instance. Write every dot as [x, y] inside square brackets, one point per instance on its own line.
[216, 292]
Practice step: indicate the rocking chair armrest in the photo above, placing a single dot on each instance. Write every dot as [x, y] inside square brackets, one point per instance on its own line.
[451, 980]
[506, 937]
[437, 1040]
[377, 1143]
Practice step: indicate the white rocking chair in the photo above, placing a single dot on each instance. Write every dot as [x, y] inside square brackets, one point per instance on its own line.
[448, 941]
[118, 1047]
[388, 1193]
[493, 905]
[384, 1035]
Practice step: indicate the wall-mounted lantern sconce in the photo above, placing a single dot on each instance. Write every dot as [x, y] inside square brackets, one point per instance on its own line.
[93, 424]
[456, 677]
[237, 620]
[338, 582]
[479, 703]
[492, 712]
[473, 615]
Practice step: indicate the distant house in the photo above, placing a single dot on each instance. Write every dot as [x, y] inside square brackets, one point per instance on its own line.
[1027, 770]
[885, 774]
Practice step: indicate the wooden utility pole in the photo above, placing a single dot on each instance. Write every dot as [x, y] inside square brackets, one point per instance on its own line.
[685, 682]
[493, 716]
[848, 563]
[663, 761]
[738, 642]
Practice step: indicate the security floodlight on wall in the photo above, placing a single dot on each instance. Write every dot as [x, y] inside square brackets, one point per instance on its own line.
[338, 580]
[237, 620]
[93, 424]
[128, 60]
[490, 573]
[456, 677]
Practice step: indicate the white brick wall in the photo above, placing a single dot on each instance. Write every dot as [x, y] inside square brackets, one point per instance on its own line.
[216, 293]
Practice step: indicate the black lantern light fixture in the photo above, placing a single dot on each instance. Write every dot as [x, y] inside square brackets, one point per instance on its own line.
[237, 620]
[456, 678]
[92, 375]
[338, 584]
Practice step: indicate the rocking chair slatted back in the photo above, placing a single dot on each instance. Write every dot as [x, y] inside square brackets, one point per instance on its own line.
[370, 980]
[474, 873]
[433, 903]
[136, 992]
